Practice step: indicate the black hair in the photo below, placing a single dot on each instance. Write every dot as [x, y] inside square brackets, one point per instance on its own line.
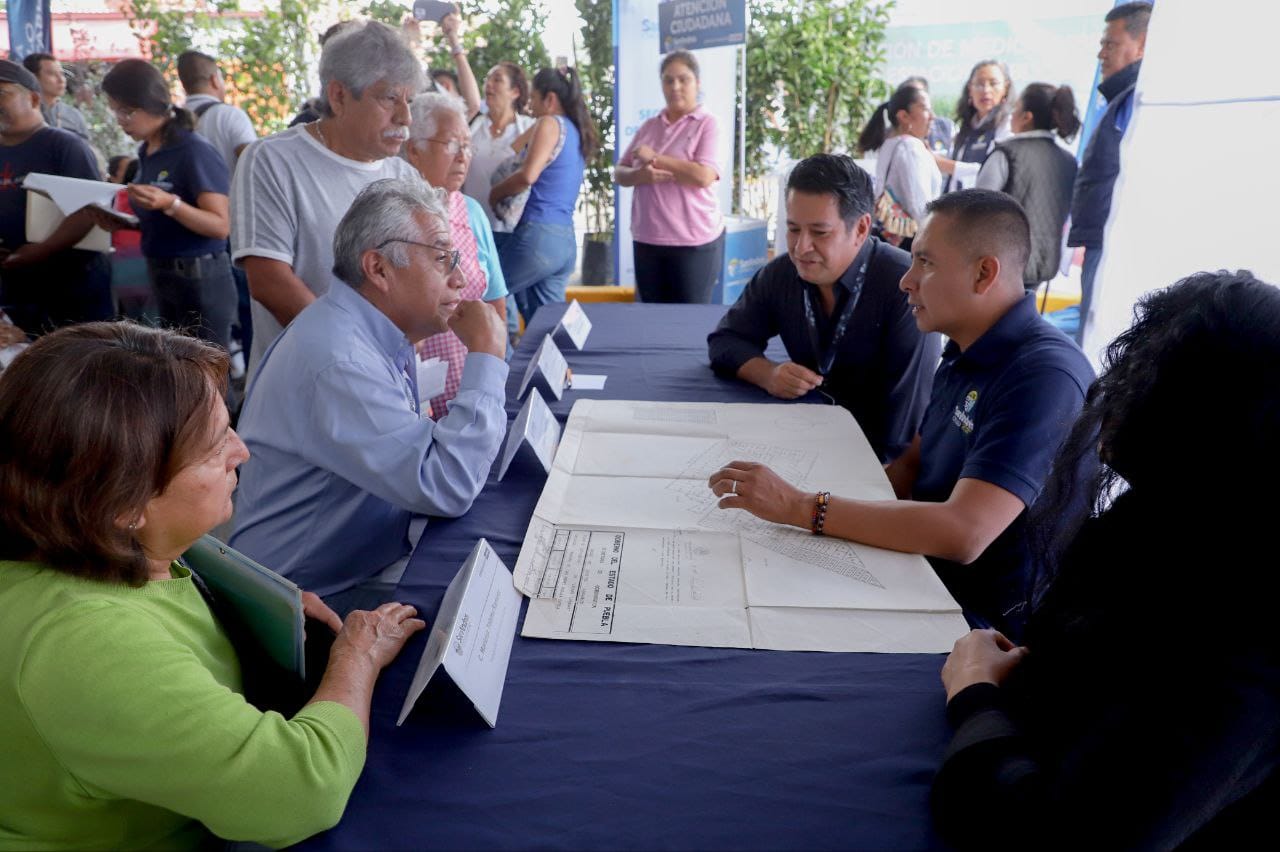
[684, 57]
[130, 171]
[1194, 374]
[195, 68]
[965, 110]
[835, 175]
[140, 85]
[904, 98]
[990, 222]
[1052, 108]
[1135, 17]
[917, 81]
[563, 83]
[32, 61]
[437, 73]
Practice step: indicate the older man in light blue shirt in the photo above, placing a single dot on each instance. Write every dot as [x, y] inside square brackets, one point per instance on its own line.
[342, 458]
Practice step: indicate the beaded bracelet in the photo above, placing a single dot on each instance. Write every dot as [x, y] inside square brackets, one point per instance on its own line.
[820, 512]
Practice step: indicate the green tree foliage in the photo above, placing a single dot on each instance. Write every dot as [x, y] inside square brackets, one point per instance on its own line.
[811, 75]
[596, 70]
[264, 57]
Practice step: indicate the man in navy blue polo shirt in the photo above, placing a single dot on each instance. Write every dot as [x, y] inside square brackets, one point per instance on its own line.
[1007, 391]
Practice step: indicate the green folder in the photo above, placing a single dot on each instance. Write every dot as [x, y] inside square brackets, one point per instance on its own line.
[268, 605]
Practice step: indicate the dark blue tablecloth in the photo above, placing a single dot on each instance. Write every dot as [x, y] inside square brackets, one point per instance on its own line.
[607, 746]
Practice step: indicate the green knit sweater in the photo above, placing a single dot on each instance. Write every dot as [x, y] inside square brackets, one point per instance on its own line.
[123, 725]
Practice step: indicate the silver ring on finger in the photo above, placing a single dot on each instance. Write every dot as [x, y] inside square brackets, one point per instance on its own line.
[734, 488]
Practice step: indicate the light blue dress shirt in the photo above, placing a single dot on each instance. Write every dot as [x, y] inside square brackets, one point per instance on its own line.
[341, 459]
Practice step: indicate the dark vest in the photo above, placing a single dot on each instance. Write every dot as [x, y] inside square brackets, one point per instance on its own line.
[973, 146]
[1100, 164]
[1041, 174]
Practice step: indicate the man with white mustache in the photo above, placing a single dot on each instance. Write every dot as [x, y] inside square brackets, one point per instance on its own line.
[291, 189]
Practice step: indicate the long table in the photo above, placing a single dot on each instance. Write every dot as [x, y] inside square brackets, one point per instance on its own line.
[616, 746]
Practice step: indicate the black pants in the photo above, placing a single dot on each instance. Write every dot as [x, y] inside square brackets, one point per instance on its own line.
[195, 294]
[72, 287]
[679, 274]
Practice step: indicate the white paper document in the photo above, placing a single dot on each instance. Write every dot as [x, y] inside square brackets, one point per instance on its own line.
[547, 370]
[472, 634]
[432, 373]
[536, 427]
[71, 194]
[574, 325]
[586, 381]
[627, 542]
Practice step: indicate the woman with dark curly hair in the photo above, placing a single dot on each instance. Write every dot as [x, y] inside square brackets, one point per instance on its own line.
[121, 695]
[1144, 709]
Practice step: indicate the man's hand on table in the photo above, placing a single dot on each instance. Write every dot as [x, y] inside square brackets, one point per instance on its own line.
[756, 488]
[980, 656]
[479, 328]
[790, 380]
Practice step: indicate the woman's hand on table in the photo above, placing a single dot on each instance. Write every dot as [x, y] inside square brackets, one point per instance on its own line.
[756, 488]
[980, 656]
[379, 635]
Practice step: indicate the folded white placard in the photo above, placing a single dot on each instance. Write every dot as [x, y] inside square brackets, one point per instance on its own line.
[574, 325]
[472, 634]
[547, 369]
[535, 426]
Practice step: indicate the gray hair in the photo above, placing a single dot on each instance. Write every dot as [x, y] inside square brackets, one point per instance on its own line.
[384, 210]
[361, 55]
[423, 111]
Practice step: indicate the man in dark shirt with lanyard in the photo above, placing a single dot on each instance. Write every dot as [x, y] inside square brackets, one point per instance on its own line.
[1009, 388]
[834, 300]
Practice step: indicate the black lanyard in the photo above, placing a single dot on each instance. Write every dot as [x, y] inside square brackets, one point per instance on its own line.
[827, 359]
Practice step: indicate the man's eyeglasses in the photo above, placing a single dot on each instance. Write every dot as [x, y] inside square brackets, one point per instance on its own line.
[450, 255]
[453, 146]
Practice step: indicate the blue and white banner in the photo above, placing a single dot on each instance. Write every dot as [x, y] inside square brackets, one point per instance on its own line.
[697, 24]
[638, 96]
[29, 28]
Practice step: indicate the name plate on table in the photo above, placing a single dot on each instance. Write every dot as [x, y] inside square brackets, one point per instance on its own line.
[574, 325]
[547, 369]
[472, 634]
[535, 426]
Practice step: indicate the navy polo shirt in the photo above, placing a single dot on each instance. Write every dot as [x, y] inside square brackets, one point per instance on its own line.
[998, 413]
[186, 167]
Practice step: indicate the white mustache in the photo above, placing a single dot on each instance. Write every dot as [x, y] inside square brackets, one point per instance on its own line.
[401, 133]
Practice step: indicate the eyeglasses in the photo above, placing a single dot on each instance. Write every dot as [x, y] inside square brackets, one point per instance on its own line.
[124, 113]
[452, 255]
[454, 147]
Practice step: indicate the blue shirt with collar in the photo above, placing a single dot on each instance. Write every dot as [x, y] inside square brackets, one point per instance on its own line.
[998, 413]
[341, 458]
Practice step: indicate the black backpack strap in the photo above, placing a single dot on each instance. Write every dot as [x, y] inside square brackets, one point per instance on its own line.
[203, 108]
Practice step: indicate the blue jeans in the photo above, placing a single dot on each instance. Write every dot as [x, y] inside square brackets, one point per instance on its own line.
[1088, 271]
[537, 260]
[513, 322]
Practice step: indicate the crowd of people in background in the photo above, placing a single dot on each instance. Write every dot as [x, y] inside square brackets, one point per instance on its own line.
[408, 214]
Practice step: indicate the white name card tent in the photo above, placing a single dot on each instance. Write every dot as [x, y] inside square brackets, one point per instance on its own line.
[574, 326]
[472, 634]
[536, 427]
[547, 370]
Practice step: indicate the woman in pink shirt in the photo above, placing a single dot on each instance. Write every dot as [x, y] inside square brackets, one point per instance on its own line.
[676, 227]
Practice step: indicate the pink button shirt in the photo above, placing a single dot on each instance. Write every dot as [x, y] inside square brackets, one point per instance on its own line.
[674, 214]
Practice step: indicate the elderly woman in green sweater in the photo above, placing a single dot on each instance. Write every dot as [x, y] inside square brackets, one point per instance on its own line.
[120, 694]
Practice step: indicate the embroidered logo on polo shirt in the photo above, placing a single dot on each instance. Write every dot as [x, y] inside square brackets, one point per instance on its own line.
[961, 416]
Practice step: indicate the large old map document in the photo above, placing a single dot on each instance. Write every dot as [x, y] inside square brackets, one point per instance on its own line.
[627, 543]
